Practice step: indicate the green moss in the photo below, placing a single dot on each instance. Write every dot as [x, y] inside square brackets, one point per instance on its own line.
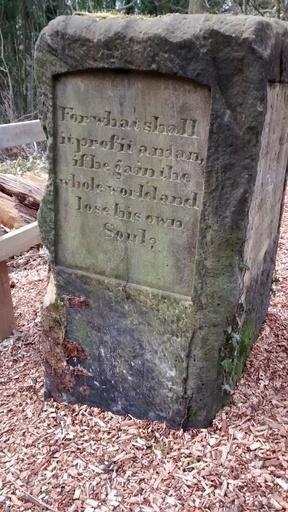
[246, 339]
[179, 316]
[227, 365]
[80, 328]
[111, 14]
[174, 321]
[192, 413]
[236, 353]
[46, 219]
[225, 249]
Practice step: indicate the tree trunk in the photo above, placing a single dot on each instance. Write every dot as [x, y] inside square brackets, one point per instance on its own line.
[197, 7]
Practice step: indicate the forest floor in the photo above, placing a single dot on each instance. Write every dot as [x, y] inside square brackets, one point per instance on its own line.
[66, 458]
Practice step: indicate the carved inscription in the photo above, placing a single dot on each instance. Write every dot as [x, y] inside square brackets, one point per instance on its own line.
[130, 154]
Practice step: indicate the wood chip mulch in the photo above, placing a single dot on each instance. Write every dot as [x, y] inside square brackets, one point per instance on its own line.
[65, 458]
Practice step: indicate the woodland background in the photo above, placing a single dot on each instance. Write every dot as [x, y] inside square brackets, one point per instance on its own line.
[22, 20]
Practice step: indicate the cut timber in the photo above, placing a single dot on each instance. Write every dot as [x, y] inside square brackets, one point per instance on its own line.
[14, 214]
[16, 134]
[6, 306]
[20, 199]
[26, 192]
[19, 240]
[9, 215]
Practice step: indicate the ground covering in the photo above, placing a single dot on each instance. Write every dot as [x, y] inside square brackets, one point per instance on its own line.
[74, 458]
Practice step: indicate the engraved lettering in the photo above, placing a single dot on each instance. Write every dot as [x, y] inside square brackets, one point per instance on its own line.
[127, 214]
[129, 170]
[138, 237]
[186, 127]
[114, 143]
[141, 192]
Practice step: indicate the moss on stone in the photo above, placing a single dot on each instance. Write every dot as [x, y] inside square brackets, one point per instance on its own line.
[178, 315]
[236, 351]
[46, 219]
[81, 329]
[103, 15]
[247, 335]
[192, 413]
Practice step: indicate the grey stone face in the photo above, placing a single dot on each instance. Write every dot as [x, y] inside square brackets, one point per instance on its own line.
[130, 160]
[168, 154]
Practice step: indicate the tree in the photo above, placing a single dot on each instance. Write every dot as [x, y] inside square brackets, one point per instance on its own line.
[197, 7]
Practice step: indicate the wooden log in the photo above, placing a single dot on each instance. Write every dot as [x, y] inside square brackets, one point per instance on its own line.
[9, 215]
[14, 214]
[7, 322]
[19, 240]
[40, 180]
[16, 134]
[27, 193]
[20, 198]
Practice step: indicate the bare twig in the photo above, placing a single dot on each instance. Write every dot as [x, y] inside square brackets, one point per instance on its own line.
[256, 8]
[36, 501]
[28, 496]
[125, 6]
[5, 70]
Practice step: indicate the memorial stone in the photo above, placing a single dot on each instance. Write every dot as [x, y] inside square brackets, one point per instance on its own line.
[167, 160]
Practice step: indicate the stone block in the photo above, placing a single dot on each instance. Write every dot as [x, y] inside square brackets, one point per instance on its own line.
[167, 162]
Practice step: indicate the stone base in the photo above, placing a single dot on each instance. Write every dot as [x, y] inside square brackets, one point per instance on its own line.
[133, 357]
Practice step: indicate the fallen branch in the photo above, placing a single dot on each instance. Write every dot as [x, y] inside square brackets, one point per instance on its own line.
[28, 496]
[34, 500]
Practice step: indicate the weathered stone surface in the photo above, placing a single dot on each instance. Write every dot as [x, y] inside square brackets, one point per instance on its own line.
[168, 154]
[130, 176]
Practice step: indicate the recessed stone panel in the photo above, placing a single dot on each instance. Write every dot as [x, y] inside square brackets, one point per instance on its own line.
[130, 160]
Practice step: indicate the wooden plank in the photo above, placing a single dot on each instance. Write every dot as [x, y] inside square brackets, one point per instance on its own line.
[16, 134]
[19, 240]
[7, 322]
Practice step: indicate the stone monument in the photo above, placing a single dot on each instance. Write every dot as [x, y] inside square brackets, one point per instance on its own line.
[167, 161]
